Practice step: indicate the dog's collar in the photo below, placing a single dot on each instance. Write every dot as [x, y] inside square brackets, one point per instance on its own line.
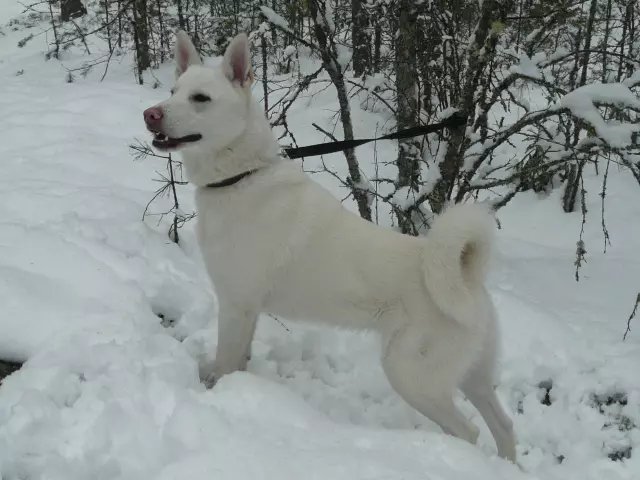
[227, 182]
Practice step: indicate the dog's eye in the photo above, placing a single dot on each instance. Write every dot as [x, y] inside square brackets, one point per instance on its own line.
[200, 98]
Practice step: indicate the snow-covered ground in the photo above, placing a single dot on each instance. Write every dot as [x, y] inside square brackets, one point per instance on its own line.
[108, 392]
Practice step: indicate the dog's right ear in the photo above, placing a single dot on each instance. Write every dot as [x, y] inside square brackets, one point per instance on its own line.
[186, 54]
[236, 63]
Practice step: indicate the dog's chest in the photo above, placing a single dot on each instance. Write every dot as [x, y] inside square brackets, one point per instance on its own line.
[228, 226]
[243, 238]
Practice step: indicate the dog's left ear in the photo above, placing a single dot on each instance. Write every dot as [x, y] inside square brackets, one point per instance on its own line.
[236, 63]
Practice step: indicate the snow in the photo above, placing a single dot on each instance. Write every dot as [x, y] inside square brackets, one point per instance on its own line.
[326, 17]
[107, 392]
[432, 173]
[274, 18]
[633, 80]
[583, 103]
[344, 56]
[289, 51]
[527, 66]
[404, 198]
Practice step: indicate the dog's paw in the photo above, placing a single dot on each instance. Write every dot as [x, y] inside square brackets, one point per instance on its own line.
[206, 370]
[475, 433]
[210, 380]
[211, 373]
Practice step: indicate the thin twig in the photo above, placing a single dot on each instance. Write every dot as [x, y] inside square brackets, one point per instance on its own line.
[603, 194]
[580, 247]
[328, 134]
[633, 314]
[280, 322]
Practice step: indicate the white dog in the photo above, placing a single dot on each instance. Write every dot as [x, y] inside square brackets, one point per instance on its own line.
[275, 241]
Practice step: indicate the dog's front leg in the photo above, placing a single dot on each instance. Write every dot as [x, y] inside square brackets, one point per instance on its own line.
[236, 327]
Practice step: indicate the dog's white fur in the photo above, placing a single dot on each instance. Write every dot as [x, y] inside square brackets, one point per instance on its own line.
[277, 242]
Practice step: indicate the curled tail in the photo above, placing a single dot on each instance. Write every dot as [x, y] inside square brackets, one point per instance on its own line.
[456, 259]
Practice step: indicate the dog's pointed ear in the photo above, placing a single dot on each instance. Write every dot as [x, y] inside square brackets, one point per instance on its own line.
[236, 63]
[186, 54]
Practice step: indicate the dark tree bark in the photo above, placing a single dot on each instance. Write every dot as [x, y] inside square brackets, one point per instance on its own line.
[377, 39]
[71, 9]
[360, 38]
[407, 104]
[329, 55]
[164, 44]
[108, 22]
[605, 43]
[141, 37]
[120, 25]
[474, 89]
[569, 199]
[181, 22]
[56, 52]
[265, 65]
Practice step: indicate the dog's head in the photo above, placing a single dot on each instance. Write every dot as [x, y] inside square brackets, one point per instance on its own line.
[208, 107]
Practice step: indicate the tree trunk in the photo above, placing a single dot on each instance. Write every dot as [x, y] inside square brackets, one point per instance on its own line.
[164, 44]
[108, 22]
[141, 37]
[330, 63]
[571, 190]
[587, 41]
[377, 39]
[71, 9]
[474, 88]
[360, 38]
[120, 25]
[573, 182]
[632, 47]
[449, 169]
[407, 114]
[605, 43]
[265, 65]
[56, 52]
[623, 40]
[181, 22]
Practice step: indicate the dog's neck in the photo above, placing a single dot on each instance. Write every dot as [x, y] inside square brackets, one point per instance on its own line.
[255, 148]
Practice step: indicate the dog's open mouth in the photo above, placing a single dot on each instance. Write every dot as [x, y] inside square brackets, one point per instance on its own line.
[164, 142]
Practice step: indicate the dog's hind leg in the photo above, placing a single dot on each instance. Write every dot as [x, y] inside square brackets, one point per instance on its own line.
[236, 327]
[478, 388]
[427, 380]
